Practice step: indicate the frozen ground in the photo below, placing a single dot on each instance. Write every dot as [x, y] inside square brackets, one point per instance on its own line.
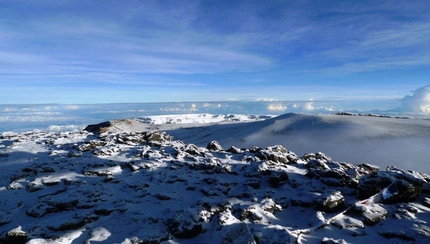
[130, 184]
[381, 141]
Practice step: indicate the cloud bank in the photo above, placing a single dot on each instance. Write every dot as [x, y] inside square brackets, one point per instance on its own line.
[418, 102]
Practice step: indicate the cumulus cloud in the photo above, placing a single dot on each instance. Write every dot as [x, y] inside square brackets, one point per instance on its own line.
[277, 107]
[418, 102]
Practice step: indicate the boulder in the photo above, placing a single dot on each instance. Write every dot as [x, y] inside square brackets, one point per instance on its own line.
[183, 225]
[214, 146]
[17, 236]
[400, 191]
[330, 202]
[370, 214]
[373, 183]
[395, 186]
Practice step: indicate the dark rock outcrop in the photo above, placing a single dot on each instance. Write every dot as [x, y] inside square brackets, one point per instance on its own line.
[98, 128]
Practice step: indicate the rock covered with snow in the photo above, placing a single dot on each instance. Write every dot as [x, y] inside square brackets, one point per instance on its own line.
[146, 187]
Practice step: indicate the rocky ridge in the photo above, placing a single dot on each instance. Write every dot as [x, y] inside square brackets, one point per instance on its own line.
[146, 187]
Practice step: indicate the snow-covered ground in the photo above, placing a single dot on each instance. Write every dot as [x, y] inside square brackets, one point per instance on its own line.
[130, 184]
[381, 141]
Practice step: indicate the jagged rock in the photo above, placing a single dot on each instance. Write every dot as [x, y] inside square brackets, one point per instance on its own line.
[91, 145]
[238, 234]
[318, 155]
[317, 164]
[332, 173]
[373, 183]
[98, 128]
[330, 202]
[370, 214]
[102, 172]
[107, 151]
[276, 153]
[343, 221]
[192, 149]
[400, 191]
[254, 149]
[15, 186]
[211, 166]
[74, 154]
[251, 213]
[270, 206]
[226, 217]
[33, 187]
[183, 225]
[395, 186]
[214, 146]
[16, 236]
[278, 178]
[235, 150]
[157, 138]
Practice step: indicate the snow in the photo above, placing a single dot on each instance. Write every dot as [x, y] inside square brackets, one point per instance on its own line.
[130, 184]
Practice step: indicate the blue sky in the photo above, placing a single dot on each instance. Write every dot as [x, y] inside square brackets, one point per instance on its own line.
[157, 51]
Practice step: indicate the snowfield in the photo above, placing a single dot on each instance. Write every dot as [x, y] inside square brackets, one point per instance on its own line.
[218, 179]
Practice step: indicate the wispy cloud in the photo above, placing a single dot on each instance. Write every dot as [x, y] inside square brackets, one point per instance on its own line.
[211, 44]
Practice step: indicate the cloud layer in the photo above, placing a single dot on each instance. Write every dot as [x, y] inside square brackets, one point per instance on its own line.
[418, 102]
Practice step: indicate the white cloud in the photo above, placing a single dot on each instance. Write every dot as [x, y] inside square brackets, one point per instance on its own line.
[309, 106]
[418, 102]
[277, 107]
